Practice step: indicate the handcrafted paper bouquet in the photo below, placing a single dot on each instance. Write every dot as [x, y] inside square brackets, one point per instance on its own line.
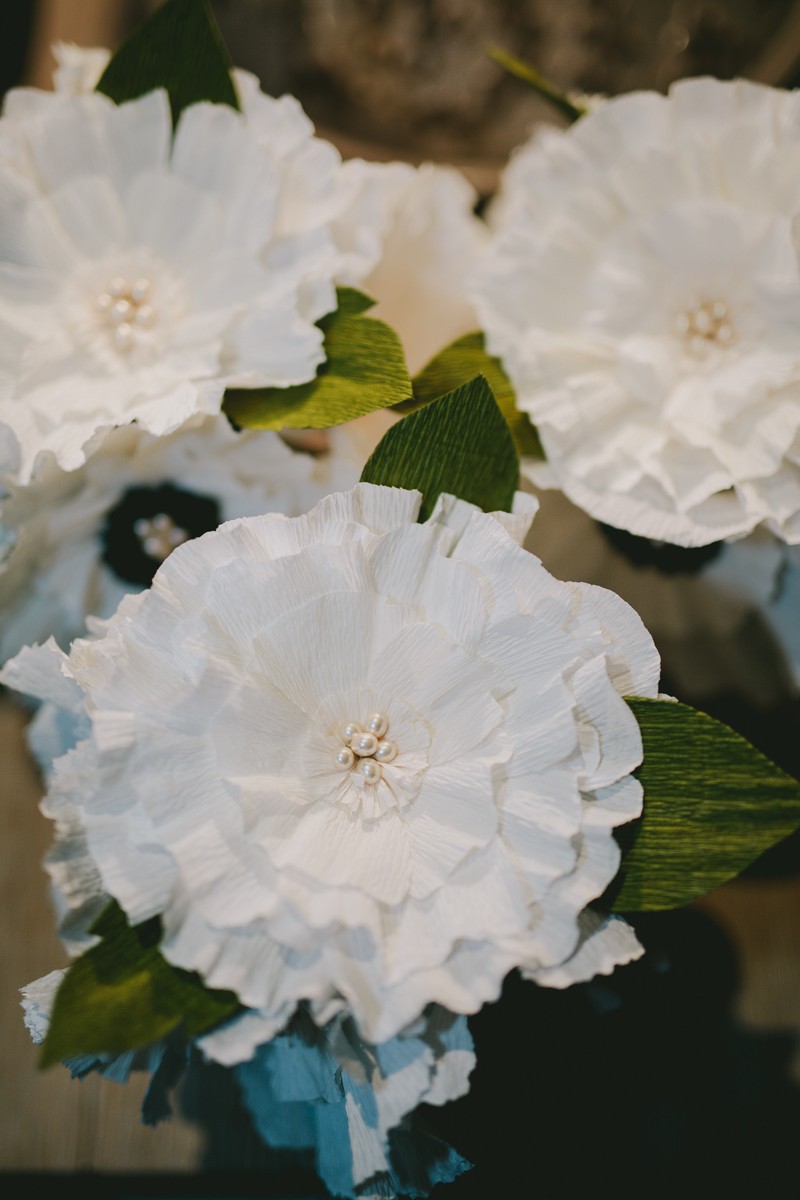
[328, 751]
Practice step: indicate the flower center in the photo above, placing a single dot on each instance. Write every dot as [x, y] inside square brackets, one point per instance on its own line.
[159, 535]
[703, 324]
[147, 523]
[365, 748]
[125, 309]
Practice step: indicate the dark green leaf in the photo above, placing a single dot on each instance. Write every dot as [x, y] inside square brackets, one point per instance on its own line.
[178, 48]
[713, 804]
[459, 444]
[462, 360]
[122, 994]
[364, 370]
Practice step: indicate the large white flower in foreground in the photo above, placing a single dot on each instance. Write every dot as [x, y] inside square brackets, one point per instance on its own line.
[141, 274]
[78, 541]
[360, 761]
[643, 291]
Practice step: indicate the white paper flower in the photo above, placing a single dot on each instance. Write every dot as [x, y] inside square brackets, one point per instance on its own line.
[141, 275]
[80, 540]
[642, 289]
[416, 229]
[703, 605]
[462, 833]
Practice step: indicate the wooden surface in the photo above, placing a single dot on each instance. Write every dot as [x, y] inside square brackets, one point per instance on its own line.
[50, 1122]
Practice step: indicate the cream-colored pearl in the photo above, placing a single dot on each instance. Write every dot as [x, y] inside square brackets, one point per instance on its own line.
[345, 758]
[349, 731]
[118, 286]
[123, 336]
[386, 752]
[369, 770]
[121, 310]
[364, 744]
[378, 723]
[140, 290]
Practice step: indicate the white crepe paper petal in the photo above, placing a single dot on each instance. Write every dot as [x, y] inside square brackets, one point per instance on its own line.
[641, 288]
[606, 942]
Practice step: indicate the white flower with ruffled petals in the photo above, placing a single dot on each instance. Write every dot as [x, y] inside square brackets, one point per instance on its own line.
[78, 541]
[361, 762]
[142, 274]
[642, 289]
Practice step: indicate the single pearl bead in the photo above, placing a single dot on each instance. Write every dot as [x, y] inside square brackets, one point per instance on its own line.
[364, 744]
[369, 770]
[118, 286]
[378, 723]
[386, 752]
[345, 758]
[104, 302]
[349, 732]
[139, 290]
[121, 310]
[123, 335]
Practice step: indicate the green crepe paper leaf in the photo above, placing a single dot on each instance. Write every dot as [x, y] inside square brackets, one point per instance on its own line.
[122, 994]
[462, 360]
[542, 86]
[459, 444]
[178, 48]
[713, 804]
[364, 370]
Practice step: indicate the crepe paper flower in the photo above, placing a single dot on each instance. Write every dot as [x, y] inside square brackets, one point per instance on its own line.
[144, 274]
[80, 540]
[642, 291]
[458, 832]
[421, 243]
[703, 604]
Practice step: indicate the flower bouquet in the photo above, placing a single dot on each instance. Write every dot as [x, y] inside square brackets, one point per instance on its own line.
[330, 754]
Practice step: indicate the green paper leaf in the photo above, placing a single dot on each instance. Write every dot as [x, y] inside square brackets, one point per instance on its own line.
[462, 360]
[713, 804]
[178, 48]
[459, 444]
[122, 994]
[364, 370]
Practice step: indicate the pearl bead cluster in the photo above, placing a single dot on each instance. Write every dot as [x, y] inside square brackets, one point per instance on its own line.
[159, 535]
[703, 323]
[125, 307]
[365, 749]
